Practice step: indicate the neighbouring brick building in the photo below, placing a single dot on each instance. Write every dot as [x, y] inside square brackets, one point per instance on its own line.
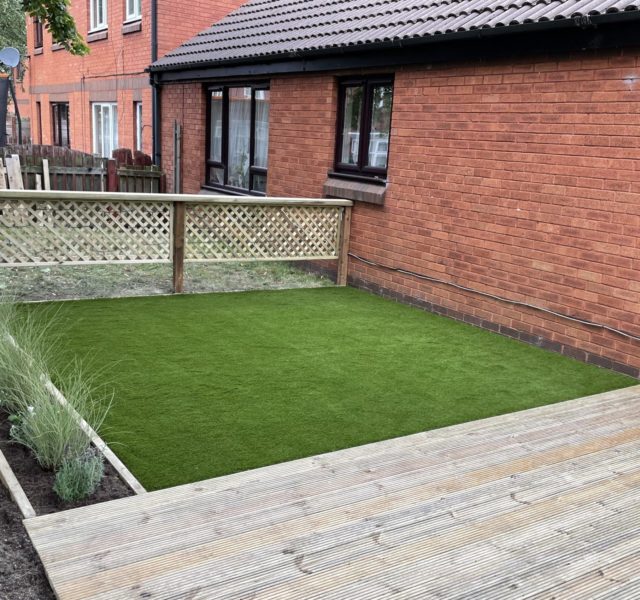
[97, 102]
[492, 149]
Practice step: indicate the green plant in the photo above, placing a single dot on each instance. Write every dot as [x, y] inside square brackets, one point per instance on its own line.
[50, 430]
[24, 354]
[79, 477]
[41, 423]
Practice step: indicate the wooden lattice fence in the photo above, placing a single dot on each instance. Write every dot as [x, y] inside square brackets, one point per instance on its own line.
[51, 228]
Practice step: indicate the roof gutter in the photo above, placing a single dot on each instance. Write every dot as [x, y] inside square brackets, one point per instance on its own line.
[300, 61]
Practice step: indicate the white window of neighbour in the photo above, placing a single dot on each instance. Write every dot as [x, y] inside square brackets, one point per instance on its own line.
[105, 128]
[98, 10]
[137, 110]
[134, 10]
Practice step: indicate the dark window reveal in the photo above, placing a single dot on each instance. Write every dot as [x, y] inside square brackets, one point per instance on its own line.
[364, 126]
[60, 123]
[238, 140]
[37, 33]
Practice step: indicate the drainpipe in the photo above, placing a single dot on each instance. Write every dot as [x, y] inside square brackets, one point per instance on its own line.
[16, 109]
[155, 93]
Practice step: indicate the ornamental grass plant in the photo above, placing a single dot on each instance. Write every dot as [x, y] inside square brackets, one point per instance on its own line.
[41, 422]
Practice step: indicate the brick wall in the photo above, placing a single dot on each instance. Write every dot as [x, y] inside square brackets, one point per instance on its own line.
[302, 123]
[519, 180]
[516, 179]
[113, 71]
[186, 104]
[180, 21]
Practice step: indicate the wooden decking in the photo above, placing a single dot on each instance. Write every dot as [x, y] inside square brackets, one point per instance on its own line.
[540, 504]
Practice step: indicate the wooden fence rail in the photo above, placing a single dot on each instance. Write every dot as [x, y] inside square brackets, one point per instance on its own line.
[50, 227]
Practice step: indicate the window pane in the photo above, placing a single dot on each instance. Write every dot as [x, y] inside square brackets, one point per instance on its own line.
[380, 126]
[63, 114]
[351, 125]
[260, 183]
[216, 175]
[239, 132]
[138, 116]
[114, 129]
[215, 152]
[106, 131]
[54, 118]
[97, 129]
[261, 147]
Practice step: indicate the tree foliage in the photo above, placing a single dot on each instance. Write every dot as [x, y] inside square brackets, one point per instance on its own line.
[55, 16]
[12, 25]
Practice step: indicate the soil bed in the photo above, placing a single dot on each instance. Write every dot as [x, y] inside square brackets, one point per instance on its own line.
[22, 576]
[109, 281]
[38, 484]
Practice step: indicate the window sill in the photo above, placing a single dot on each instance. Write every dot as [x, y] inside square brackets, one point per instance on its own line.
[131, 26]
[95, 36]
[56, 47]
[38, 50]
[359, 191]
[211, 190]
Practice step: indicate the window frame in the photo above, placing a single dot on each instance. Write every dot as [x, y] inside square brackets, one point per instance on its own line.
[94, 140]
[138, 125]
[360, 170]
[224, 151]
[56, 125]
[38, 34]
[94, 24]
[136, 15]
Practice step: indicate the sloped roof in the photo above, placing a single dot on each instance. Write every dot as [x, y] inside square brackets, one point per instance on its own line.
[268, 29]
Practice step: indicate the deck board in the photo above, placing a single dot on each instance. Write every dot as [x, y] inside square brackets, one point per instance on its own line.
[543, 503]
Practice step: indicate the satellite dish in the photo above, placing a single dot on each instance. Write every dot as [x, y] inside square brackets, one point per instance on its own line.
[10, 57]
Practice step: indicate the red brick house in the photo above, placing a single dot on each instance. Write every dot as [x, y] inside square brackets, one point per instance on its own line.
[492, 149]
[104, 100]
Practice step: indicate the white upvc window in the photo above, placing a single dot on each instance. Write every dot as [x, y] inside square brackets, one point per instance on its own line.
[98, 16]
[105, 128]
[138, 124]
[134, 10]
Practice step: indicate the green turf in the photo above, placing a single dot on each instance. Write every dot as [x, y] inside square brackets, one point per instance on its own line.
[211, 384]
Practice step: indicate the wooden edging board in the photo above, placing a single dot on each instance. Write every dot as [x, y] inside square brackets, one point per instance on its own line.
[10, 481]
[126, 475]
[7, 476]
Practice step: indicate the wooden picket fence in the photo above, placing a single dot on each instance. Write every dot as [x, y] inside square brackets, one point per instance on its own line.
[63, 169]
[50, 228]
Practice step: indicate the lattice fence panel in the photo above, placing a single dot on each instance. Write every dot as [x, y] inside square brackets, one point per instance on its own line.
[66, 231]
[236, 232]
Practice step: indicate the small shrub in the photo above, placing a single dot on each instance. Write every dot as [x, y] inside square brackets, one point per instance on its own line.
[79, 477]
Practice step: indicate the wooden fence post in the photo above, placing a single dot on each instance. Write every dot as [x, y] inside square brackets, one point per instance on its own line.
[112, 176]
[177, 158]
[178, 247]
[343, 247]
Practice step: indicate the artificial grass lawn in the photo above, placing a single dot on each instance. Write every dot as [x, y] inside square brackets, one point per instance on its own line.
[211, 384]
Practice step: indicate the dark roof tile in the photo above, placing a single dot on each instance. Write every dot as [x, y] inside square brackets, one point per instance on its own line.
[272, 28]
